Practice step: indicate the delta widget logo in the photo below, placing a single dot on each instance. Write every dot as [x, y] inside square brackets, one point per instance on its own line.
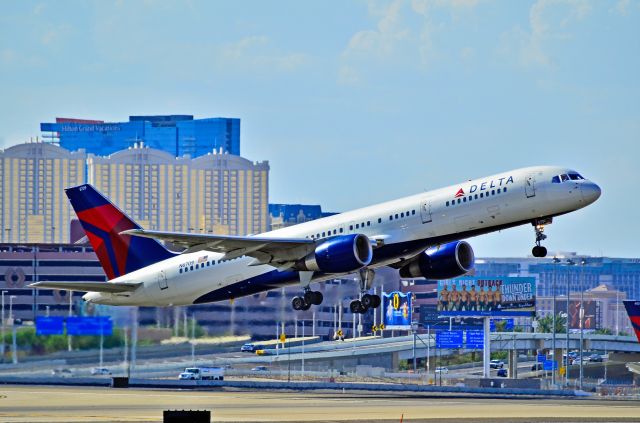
[460, 193]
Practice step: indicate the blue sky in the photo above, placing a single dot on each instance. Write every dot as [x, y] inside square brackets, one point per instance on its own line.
[359, 102]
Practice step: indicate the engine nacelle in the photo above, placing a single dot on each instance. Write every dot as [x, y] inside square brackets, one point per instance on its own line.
[342, 254]
[443, 262]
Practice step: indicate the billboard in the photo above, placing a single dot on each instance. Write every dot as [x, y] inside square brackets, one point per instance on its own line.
[429, 315]
[449, 339]
[487, 296]
[90, 326]
[49, 325]
[592, 318]
[396, 307]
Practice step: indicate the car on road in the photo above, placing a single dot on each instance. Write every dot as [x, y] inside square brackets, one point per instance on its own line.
[595, 358]
[502, 373]
[260, 369]
[496, 364]
[100, 371]
[537, 366]
[443, 370]
[61, 372]
[251, 348]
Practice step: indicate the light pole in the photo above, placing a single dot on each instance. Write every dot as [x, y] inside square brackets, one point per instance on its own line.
[583, 262]
[556, 260]
[566, 374]
[2, 350]
[14, 347]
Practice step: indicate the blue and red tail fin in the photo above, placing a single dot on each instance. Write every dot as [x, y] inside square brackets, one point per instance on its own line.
[633, 310]
[102, 221]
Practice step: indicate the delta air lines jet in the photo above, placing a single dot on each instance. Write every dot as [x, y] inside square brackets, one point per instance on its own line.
[421, 235]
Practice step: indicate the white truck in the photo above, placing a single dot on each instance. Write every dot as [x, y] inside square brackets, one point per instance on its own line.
[202, 373]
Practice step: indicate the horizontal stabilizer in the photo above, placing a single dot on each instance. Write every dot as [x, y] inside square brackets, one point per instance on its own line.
[88, 286]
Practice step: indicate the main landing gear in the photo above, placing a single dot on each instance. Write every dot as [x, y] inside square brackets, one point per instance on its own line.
[538, 250]
[310, 297]
[307, 300]
[366, 300]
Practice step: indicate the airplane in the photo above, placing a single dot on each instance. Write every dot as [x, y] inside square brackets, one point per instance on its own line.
[633, 311]
[423, 236]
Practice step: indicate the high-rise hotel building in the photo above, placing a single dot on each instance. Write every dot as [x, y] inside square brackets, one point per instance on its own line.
[33, 207]
[217, 193]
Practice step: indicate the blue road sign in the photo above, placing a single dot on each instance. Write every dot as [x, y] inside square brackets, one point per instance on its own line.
[49, 325]
[550, 365]
[541, 358]
[475, 339]
[449, 339]
[90, 326]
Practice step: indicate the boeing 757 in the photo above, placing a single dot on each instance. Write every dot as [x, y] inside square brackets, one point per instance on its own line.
[422, 235]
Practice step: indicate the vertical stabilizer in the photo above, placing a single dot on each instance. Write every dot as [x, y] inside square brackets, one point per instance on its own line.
[102, 221]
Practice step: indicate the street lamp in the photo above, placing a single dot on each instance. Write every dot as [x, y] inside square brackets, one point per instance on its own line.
[583, 262]
[566, 374]
[556, 260]
[2, 350]
[14, 349]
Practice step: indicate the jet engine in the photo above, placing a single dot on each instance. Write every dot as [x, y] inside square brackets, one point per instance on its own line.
[441, 262]
[341, 254]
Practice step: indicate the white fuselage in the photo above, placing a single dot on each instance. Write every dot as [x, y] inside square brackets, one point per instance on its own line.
[415, 222]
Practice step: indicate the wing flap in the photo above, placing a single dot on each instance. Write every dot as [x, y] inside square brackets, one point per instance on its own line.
[88, 286]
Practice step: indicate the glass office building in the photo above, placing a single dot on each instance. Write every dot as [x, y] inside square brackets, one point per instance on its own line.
[178, 135]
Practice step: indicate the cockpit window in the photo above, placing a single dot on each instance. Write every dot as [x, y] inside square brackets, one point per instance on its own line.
[555, 179]
[575, 176]
[564, 177]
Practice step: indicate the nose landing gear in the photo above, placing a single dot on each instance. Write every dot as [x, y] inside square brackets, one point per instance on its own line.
[538, 250]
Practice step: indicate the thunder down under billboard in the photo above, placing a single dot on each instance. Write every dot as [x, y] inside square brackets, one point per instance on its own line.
[487, 296]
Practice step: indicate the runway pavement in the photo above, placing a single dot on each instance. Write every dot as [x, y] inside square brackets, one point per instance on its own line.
[73, 404]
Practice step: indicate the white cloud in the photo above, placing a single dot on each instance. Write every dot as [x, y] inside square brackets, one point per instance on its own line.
[622, 7]
[379, 42]
[548, 22]
[347, 75]
[258, 51]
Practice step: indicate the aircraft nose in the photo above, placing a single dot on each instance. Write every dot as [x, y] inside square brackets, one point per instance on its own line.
[590, 192]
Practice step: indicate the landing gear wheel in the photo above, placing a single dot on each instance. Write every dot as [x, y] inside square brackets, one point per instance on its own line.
[367, 300]
[357, 307]
[298, 303]
[313, 297]
[539, 251]
[376, 301]
[306, 307]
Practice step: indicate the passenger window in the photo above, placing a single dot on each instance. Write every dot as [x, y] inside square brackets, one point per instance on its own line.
[390, 217]
[191, 268]
[413, 212]
[476, 196]
[464, 199]
[564, 177]
[368, 223]
[447, 204]
[470, 197]
[498, 190]
[555, 180]
[362, 224]
[407, 214]
[357, 225]
[340, 230]
[180, 271]
[459, 201]
[402, 214]
[493, 192]
[323, 235]
[334, 231]
[379, 220]
[482, 195]
[504, 189]
[317, 235]
[396, 215]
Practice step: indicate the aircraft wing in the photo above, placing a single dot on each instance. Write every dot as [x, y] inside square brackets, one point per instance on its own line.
[279, 251]
[88, 286]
